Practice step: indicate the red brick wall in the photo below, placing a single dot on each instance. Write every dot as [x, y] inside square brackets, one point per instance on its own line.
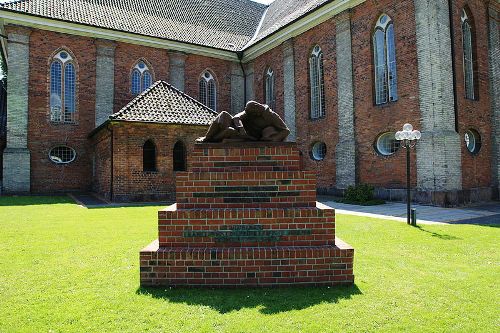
[476, 169]
[47, 176]
[101, 172]
[220, 69]
[126, 57]
[372, 120]
[324, 129]
[130, 182]
[273, 59]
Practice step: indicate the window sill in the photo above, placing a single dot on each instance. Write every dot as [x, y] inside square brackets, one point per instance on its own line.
[63, 122]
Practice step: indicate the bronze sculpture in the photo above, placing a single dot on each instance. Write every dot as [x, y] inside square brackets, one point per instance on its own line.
[256, 123]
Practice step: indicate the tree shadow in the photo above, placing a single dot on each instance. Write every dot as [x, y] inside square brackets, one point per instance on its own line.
[268, 300]
[435, 234]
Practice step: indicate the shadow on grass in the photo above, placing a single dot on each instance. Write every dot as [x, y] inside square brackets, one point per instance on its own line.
[19, 200]
[435, 234]
[268, 300]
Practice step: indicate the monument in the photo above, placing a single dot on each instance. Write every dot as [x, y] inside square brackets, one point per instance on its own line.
[246, 214]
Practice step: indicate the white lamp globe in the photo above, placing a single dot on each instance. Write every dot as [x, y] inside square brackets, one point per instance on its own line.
[407, 127]
[398, 136]
[417, 134]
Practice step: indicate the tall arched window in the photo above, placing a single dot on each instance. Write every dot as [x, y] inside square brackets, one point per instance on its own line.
[469, 56]
[141, 78]
[384, 51]
[208, 90]
[179, 156]
[317, 83]
[269, 88]
[149, 156]
[62, 88]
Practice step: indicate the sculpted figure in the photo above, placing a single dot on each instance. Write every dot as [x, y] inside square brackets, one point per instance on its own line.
[256, 123]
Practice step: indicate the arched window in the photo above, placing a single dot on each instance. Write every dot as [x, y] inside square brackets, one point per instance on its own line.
[384, 51]
[269, 88]
[149, 156]
[141, 78]
[469, 56]
[208, 90]
[317, 83]
[179, 156]
[62, 88]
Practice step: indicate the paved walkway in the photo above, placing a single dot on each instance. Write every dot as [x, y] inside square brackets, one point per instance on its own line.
[486, 214]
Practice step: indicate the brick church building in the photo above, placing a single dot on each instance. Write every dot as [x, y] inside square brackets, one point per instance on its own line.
[84, 112]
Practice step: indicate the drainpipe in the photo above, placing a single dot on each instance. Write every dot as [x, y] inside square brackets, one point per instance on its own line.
[110, 129]
[240, 58]
[453, 71]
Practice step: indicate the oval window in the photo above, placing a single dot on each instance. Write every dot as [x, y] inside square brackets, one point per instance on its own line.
[387, 144]
[318, 151]
[62, 155]
[472, 141]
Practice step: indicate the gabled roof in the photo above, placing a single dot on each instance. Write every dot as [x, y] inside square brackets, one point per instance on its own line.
[162, 103]
[212, 23]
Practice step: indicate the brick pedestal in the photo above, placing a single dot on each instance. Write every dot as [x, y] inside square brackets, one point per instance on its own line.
[246, 215]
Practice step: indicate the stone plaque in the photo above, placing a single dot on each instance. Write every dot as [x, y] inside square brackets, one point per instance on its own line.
[246, 233]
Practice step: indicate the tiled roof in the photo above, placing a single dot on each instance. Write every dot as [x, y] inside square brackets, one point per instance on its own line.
[282, 12]
[162, 103]
[213, 23]
[224, 24]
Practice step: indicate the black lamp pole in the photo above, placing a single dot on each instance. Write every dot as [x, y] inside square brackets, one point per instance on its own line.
[408, 192]
[408, 137]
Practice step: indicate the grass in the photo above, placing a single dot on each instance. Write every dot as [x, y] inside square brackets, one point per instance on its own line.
[64, 268]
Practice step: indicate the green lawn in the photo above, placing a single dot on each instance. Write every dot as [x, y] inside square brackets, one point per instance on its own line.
[64, 268]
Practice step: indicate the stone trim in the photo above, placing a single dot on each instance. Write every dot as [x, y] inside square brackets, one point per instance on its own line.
[494, 61]
[237, 88]
[250, 76]
[105, 81]
[289, 88]
[345, 156]
[176, 71]
[16, 156]
[438, 152]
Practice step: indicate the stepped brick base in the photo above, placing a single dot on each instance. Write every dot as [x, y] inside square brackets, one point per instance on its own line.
[246, 215]
[250, 266]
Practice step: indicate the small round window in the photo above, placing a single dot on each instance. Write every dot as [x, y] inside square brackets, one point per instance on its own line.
[62, 155]
[472, 141]
[387, 144]
[318, 151]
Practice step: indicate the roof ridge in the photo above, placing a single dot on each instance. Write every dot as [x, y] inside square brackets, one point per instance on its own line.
[189, 97]
[135, 100]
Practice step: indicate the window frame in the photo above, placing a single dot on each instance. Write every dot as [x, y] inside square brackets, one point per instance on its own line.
[208, 90]
[143, 71]
[316, 84]
[269, 88]
[383, 152]
[469, 56]
[65, 60]
[62, 146]
[387, 92]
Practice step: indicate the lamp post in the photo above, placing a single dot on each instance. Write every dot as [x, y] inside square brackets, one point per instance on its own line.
[408, 138]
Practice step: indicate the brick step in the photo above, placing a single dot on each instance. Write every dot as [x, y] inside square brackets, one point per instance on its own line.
[258, 156]
[313, 226]
[246, 189]
[250, 266]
